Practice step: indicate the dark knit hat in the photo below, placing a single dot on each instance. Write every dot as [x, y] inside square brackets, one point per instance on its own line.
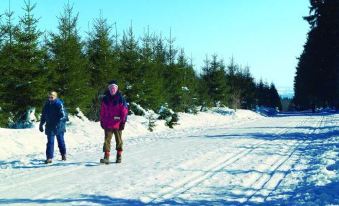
[112, 82]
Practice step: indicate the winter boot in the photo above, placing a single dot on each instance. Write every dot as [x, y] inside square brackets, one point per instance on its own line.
[105, 160]
[118, 160]
[48, 161]
[63, 157]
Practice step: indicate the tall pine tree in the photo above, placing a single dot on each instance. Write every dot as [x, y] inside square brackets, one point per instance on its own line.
[68, 64]
[152, 83]
[25, 84]
[317, 78]
[129, 67]
[214, 87]
[8, 63]
[275, 101]
[100, 53]
[102, 62]
[30, 57]
[187, 92]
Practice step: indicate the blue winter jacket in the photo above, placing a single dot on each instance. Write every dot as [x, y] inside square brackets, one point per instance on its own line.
[55, 117]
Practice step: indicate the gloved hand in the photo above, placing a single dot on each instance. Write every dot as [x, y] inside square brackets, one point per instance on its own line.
[41, 128]
[122, 126]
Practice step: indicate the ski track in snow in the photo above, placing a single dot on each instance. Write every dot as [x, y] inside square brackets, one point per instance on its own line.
[244, 163]
[196, 180]
[267, 185]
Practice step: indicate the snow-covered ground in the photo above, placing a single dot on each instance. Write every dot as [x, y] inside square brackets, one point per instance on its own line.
[213, 158]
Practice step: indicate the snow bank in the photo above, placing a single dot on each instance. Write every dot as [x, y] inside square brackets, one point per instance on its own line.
[82, 132]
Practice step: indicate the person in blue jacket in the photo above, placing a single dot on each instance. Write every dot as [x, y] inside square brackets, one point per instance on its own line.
[55, 117]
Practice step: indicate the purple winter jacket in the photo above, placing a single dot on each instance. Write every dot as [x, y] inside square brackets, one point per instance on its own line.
[113, 111]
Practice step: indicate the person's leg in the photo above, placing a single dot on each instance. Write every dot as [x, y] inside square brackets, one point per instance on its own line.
[118, 144]
[107, 143]
[118, 140]
[62, 145]
[50, 146]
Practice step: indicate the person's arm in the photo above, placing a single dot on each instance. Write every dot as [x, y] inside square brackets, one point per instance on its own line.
[43, 115]
[43, 118]
[102, 112]
[62, 112]
[123, 114]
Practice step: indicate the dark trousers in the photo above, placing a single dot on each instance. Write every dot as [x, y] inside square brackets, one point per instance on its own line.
[108, 138]
[50, 144]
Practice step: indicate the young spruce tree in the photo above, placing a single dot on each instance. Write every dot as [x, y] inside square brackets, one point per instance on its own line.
[102, 64]
[214, 81]
[67, 61]
[25, 84]
[8, 63]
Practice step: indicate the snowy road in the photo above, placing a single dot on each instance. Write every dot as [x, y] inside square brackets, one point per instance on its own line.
[269, 161]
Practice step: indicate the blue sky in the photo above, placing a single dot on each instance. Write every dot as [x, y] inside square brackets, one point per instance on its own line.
[266, 35]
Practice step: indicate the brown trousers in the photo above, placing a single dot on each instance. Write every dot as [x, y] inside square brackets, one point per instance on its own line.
[108, 138]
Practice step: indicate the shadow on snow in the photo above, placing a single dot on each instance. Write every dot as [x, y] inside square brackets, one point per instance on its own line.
[39, 163]
[296, 197]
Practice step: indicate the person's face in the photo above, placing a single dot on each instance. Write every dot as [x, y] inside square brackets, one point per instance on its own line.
[112, 89]
[51, 97]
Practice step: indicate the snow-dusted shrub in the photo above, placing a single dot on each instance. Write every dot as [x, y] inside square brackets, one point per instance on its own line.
[137, 109]
[203, 108]
[168, 115]
[3, 118]
[151, 118]
[191, 110]
[27, 120]
[266, 111]
[326, 109]
[80, 114]
[223, 110]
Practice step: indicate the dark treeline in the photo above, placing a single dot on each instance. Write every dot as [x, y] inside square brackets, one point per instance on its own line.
[317, 78]
[151, 71]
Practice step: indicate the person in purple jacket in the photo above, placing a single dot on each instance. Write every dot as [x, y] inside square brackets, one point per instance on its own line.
[113, 116]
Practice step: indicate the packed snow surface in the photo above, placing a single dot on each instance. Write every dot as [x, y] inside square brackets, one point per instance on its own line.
[220, 157]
